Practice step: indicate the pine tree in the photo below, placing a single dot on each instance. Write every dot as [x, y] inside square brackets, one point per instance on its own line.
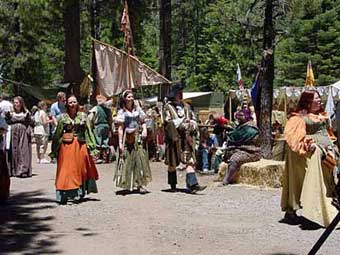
[314, 35]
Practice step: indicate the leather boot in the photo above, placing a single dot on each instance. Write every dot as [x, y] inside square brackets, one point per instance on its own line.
[172, 181]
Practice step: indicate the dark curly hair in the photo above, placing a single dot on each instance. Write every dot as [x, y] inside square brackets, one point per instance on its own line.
[306, 100]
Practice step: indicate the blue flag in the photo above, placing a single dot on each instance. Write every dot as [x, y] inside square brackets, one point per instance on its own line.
[255, 93]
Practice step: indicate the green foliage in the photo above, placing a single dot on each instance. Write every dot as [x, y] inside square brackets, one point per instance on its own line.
[31, 48]
[220, 41]
[314, 35]
[209, 38]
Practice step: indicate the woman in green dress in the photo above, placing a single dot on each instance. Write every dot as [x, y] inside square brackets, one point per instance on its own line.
[133, 168]
[73, 145]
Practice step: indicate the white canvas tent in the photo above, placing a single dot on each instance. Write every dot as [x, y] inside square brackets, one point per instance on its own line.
[336, 85]
[286, 98]
[186, 95]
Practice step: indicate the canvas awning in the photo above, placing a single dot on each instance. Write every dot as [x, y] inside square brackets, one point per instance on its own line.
[286, 98]
[117, 71]
[336, 85]
[186, 95]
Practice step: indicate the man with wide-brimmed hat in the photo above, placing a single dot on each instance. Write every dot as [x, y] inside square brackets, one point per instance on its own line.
[180, 129]
[100, 119]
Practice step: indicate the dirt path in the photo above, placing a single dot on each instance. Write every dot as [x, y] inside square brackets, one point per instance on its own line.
[230, 220]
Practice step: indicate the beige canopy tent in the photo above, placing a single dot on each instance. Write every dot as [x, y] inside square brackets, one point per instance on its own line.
[117, 71]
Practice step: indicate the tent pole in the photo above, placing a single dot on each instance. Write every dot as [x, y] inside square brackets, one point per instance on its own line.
[230, 110]
[285, 104]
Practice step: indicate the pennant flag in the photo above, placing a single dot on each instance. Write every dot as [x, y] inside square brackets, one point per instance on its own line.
[117, 71]
[239, 77]
[126, 29]
[310, 76]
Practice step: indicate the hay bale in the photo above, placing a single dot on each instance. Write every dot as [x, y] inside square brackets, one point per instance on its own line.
[263, 173]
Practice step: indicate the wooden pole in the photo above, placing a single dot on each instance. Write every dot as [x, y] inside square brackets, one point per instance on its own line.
[230, 108]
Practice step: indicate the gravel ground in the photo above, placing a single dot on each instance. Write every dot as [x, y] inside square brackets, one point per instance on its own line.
[237, 219]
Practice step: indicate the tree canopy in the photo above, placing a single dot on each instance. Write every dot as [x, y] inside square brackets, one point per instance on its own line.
[209, 39]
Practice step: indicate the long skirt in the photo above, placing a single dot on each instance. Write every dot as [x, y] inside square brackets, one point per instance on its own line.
[4, 178]
[133, 168]
[21, 151]
[76, 171]
[308, 185]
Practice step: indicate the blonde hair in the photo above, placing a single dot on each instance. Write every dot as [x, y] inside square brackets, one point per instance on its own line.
[60, 95]
[41, 104]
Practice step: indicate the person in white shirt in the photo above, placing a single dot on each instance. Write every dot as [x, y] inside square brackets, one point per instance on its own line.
[58, 108]
[5, 105]
[41, 132]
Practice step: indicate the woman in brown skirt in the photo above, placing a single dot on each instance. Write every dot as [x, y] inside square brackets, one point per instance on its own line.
[21, 139]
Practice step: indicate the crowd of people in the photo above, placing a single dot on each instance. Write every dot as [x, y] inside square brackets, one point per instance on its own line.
[128, 131]
[134, 134]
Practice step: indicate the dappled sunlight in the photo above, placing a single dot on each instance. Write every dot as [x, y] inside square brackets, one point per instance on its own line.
[22, 230]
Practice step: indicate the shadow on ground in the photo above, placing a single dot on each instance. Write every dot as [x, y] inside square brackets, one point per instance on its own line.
[302, 222]
[85, 199]
[186, 191]
[21, 230]
[128, 192]
[282, 253]
[176, 190]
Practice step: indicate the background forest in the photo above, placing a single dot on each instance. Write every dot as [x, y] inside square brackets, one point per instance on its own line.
[208, 39]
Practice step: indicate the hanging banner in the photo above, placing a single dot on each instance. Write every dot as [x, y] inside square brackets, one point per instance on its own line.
[117, 71]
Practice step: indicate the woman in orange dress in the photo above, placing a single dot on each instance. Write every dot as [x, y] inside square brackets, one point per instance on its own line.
[308, 181]
[72, 145]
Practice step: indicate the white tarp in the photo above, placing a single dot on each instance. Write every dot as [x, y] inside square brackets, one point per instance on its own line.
[292, 91]
[290, 95]
[118, 71]
[336, 85]
[186, 95]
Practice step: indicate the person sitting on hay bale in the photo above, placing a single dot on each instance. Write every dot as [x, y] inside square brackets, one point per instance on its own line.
[242, 147]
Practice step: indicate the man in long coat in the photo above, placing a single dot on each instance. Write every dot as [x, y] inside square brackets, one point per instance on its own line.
[180, 129]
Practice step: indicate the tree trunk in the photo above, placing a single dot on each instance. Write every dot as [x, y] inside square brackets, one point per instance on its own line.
[165, 42]
[72, 70]
[267, 79]
[95, 33]
[95, 24]
[17, 70]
